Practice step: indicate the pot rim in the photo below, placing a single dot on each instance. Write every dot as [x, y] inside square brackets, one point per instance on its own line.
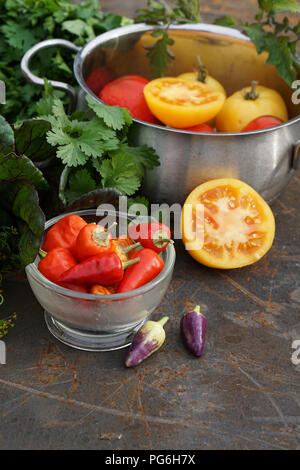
[143, 27]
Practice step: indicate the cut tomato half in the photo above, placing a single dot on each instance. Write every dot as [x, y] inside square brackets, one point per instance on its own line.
[236, 227]
[182, 103]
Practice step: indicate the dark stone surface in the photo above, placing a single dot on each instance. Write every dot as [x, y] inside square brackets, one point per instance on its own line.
[244, 393]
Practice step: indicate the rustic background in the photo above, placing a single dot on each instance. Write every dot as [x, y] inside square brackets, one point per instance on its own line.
[244, 393]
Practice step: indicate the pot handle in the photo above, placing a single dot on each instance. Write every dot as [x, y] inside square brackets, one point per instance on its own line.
[25, 63]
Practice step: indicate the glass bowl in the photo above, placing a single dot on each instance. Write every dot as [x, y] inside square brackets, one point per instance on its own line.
[94, 322]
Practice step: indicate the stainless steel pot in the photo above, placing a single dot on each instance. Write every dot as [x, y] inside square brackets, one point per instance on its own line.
[264, 159]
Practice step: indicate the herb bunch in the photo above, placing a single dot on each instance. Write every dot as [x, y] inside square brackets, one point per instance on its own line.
[270, 32]
[24, 23]
[164, 13]
[95, 151]
[274, 34]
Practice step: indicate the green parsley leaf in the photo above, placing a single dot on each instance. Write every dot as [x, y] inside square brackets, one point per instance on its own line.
[113, 116]
[143, 156]
[119, 172]
[17, 36]
[80, 182]
[79, 140]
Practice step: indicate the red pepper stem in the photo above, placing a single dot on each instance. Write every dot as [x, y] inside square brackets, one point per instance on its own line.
[125, 264]
[163, 321]
[101, 237]
[111, 226]
[42, 253]
[126, 249]
[158, 241]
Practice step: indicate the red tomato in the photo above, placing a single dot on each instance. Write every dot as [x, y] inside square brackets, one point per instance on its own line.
[261, 123]
[200, 128]
[98, 79]
[127, 92]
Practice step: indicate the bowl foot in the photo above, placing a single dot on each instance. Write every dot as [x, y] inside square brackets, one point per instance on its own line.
[89, 340]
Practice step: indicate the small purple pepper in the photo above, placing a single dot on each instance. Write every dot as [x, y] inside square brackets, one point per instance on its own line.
[193, 329]
[146, 341]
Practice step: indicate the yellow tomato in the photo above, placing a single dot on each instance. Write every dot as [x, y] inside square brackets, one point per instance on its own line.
[226, 224]
[209, 81]
[182, 103]
[248, 104]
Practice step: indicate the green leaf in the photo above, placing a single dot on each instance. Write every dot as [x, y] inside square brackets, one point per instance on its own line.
[279, 6]
[226, 21]
[22, 201]
[46, 102]
[277, 47]
[78, 28]
[113, 116]
[80, 182]
[143, 156]
[159, 54]
[120, 172]
[6, 137]
[17, 36]
[13, 167]
[76, 140]
[31, 140]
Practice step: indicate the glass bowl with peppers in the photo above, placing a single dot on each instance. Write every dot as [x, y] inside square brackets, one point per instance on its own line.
[99, 276]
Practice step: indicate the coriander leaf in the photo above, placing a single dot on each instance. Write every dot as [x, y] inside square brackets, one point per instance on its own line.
[17, 36]
[143, 156]
[78, 28]
[80, 182]
[113, 116]
[119, 171]
[138, 200]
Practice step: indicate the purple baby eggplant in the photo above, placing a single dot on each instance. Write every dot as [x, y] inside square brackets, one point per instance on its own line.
[146, 341]
[193, 329]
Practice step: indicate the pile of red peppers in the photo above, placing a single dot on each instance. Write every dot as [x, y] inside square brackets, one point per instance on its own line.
[85, 257]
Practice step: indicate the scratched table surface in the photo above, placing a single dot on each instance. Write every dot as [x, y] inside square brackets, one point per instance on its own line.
[244, 393]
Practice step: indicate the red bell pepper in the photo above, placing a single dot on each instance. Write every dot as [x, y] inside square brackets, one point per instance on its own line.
[76, 287]
[105, 269]
[153, 235]
[55, 263]
[93, 240]
[139, 274]
[64, 233]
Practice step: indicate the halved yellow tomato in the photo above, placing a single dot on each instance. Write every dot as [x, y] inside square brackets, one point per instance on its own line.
[226, 224]
[209, 81]
[182, 103]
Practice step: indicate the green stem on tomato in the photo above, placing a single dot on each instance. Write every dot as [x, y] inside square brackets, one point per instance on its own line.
[252, 94]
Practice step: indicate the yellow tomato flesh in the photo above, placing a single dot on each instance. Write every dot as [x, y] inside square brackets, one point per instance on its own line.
[209, 81]
[237, 111]
[182, 103]
[238, 226]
